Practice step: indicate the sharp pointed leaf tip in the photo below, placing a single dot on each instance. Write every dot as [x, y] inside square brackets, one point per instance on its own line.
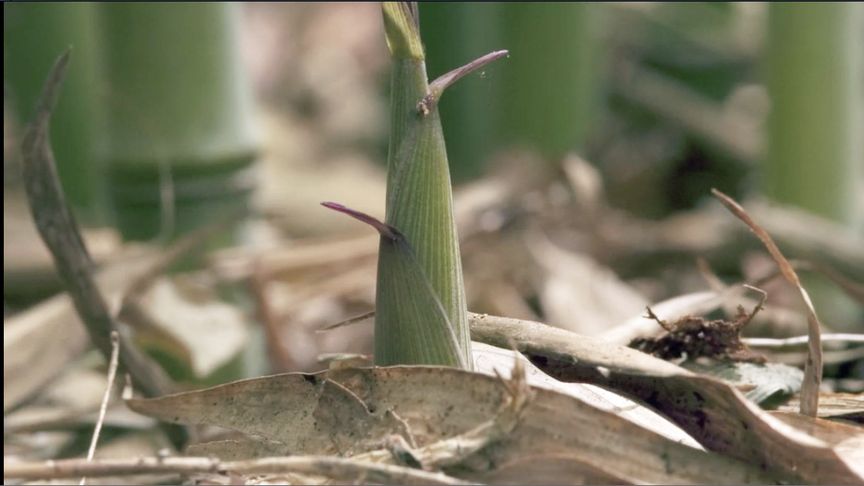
[383, 228]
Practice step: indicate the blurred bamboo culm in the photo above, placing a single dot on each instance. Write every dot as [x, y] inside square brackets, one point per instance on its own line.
[454, 33]
[545, 97]
[815, 77]
[550, 82]
[34, 35]
[421, 315]
[179, 141]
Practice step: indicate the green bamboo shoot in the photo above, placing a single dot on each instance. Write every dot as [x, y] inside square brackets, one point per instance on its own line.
[420, 205]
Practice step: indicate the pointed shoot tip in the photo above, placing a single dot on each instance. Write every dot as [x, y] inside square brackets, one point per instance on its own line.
[383, 228]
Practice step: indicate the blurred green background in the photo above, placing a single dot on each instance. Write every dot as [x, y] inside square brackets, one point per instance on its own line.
[172, 113]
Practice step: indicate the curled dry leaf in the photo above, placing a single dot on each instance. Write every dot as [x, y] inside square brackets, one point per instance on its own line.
[493, 360]
[713, 412]
[813, 365]
[51, 333]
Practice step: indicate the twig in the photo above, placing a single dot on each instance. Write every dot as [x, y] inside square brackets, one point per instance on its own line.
[813, 365]
[763, 296]
[280, 357]
[331, 467]
[689, 109]
[651, 315]
[58, 229]
[112, 373]
[711, 278]
[347, 322]
[718, 286]
[799, 340]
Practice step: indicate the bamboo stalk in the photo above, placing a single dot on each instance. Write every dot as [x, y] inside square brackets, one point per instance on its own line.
[35, 33]
[814, 70]
[814, 76]
[179, 141]
[453, 32]
[550, 86]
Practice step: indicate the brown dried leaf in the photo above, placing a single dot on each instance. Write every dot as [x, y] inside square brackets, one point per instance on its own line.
[576, 285]
[40, 342]
[439, 403]
[201, 332]
[813, 365]
[846, 406]
[713, 412]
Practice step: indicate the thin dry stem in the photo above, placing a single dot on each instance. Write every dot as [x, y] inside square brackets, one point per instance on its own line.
[813, 365]
[280, 357]
[349, 321]
[853, 289]
[711, 278]
[843, 338]
[763, 296]
[103, 407]
[330, 467]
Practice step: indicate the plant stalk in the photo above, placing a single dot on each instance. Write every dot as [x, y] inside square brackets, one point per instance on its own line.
[420, 207]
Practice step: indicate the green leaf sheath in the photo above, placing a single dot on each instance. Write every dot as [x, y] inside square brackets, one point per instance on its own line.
[420, 206]
[422, 331]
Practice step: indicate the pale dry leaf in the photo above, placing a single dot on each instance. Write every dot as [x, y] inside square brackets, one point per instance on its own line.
[39, 343]
[847, 406]
[713, 412]
[639, 325]
[578, 293]
[201, 331]
[438, 403]
[491, 359]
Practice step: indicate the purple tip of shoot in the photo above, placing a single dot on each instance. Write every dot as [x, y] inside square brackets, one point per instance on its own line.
[383, 228]
[443, 82]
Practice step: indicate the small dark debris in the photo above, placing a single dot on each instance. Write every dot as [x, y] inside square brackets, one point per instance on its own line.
[694, 337]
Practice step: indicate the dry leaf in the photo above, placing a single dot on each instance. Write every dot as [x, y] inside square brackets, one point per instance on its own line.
[48, 336]
[437, 403]
[713, 412]
[579, 294]
[201, 331]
